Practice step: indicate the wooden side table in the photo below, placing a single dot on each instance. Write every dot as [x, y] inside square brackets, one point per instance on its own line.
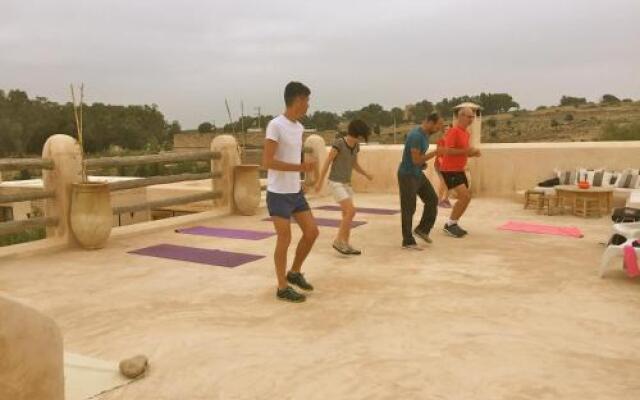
[568, 196]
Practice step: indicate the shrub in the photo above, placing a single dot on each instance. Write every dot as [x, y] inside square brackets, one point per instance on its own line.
[540, 108]
[554, 123]
[612, 131]
[491, 122]
[568, 117]
[627, 100]
[22, 237]
[609, 99]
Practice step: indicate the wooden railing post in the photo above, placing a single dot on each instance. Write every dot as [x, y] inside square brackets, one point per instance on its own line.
[65, 153]
[227, 146]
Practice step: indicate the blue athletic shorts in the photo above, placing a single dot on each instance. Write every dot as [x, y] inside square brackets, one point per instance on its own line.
[284, 205]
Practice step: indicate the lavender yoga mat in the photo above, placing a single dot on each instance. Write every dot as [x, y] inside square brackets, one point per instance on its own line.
[197, 255]
[364, 210]
[226, 233]
[335, 223]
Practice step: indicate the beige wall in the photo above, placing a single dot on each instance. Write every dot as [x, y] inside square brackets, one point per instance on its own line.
[504, 168]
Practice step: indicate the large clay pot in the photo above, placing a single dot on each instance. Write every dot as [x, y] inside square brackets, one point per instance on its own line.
[91, 217]
[246, 189]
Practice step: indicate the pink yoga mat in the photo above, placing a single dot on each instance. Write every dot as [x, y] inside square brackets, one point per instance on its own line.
[528, 227]
[631, 262]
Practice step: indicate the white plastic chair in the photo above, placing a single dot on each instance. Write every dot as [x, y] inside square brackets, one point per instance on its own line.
[631, 231]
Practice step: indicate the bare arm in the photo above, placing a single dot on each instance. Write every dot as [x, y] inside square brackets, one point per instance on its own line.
[418, 158]
[325, 168]
[358, 168]
[270, 162]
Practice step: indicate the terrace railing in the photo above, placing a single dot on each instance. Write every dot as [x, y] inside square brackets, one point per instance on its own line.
[18, 226]
[162, 158]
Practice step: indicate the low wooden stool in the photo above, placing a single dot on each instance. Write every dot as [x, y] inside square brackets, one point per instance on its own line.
[534, 197]
[553, 205]
[588, 207]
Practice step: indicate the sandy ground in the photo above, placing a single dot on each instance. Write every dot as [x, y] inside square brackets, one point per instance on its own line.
[492, 316]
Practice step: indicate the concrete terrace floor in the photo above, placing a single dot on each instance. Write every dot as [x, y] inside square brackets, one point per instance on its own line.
[496, 315]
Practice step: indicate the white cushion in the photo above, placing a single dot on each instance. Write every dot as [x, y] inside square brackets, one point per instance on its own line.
[634, 199]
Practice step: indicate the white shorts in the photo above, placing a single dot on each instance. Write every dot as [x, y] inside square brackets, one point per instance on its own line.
[340, 191]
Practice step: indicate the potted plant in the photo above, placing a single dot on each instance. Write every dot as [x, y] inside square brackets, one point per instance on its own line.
[91, 216]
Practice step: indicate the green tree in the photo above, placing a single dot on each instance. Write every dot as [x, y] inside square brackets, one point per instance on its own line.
[572, 101]
[205, 127]
[398, 114]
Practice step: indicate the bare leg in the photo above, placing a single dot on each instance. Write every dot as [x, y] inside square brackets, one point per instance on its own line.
[464, 198]
[283, 230]
[348, 213]
[442, 189]
[309, 235]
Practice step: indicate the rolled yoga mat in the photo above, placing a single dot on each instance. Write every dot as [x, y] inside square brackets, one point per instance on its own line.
[198, 255]
[226, 233]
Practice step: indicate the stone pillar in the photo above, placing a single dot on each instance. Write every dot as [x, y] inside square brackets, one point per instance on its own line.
[228, 147]
[31, 354]
[246, 189]
[65, 152]
[317, 151]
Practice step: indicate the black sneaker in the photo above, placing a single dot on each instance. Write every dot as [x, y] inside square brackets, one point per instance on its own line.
[288, 294]
[423, 235]
[297, 278]
[463, 230]
[454, 230]
[411, 246]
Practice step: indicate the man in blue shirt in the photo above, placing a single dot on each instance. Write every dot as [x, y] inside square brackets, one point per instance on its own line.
[413, 182]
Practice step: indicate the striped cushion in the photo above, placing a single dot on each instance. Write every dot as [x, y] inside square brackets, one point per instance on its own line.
[598, 177]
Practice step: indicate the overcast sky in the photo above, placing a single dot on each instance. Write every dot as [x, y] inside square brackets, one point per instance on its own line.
[187, 56]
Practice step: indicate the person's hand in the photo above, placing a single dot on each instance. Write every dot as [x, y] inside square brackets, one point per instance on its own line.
[308, 166]
[472, 151]
[441, 151]
[369, 177]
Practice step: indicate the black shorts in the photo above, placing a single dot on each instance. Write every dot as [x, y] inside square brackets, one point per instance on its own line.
[284, 205]
[453, 179]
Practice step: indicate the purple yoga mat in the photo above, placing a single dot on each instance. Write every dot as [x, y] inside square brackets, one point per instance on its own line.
[226, 233]
[335, 223]
[197, 255]
[364, 210]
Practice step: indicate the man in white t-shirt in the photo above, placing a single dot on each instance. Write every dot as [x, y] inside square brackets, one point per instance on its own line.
[285, 199]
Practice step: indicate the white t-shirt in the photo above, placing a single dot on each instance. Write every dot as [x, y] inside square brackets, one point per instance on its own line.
[288, 134]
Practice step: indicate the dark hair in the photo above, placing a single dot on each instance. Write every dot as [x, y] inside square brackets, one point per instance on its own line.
[293, 90]
[359, 128]
[433, 117]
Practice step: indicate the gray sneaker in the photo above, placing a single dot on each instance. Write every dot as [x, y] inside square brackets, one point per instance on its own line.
[353, 251]
[423, 235]
[454, 231]
[288, 294]
[341, 248]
